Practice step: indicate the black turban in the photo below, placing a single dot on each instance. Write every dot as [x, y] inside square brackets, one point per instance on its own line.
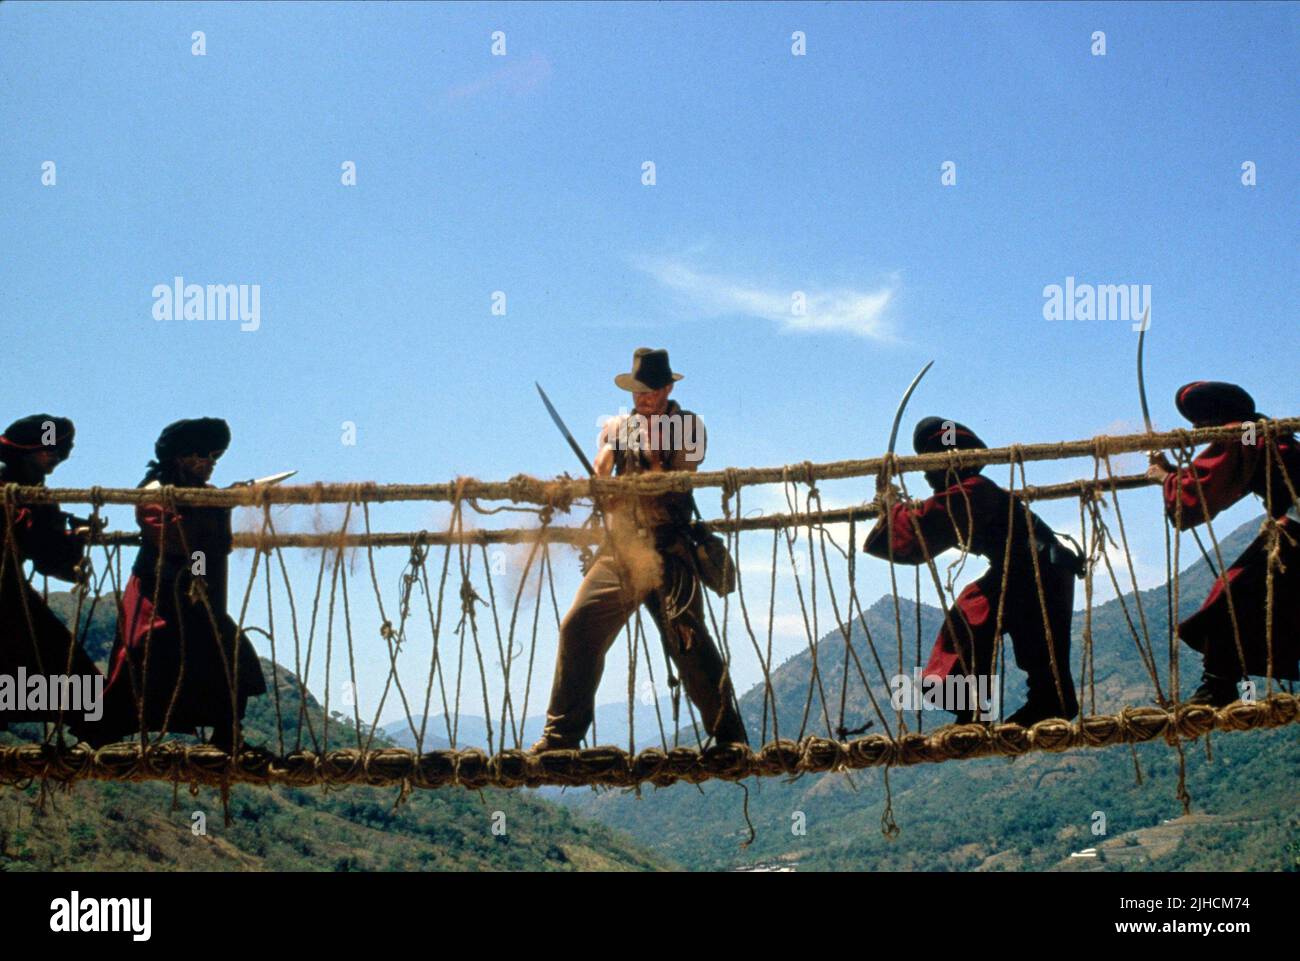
[1213, 403]
[201, 435]
[31, 434]
[931, 432]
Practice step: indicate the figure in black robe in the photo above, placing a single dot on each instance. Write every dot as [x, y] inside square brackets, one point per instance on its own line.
[180, 662]
[32, 638]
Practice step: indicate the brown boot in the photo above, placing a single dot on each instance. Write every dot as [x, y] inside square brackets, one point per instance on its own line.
[554, 742]
[730, 730]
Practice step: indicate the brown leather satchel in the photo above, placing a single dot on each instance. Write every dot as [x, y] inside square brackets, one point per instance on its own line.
[712, 559]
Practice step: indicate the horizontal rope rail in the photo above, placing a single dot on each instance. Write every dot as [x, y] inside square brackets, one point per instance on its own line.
[580, 536]
[561, 492]
[577, 536]
[474, 769]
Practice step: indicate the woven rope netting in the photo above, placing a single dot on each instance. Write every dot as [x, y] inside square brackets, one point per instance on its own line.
[454, 635]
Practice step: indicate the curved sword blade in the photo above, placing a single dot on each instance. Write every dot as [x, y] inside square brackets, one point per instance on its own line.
[1142, 382]
[902, 406]
[1146, 417]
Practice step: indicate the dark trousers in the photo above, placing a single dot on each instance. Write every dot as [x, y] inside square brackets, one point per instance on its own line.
[974, 618]
[604, 602]
[1210, 629]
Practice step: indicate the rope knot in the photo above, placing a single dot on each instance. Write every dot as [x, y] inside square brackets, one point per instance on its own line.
[468, 596]
[1090, 493]
[809, 477]
[167, 497]
[515, 488]
[731, 483]
[1275, 532]
[558, 495]
[418, 552]
[886, 496]
[261, 497]
[954, 460]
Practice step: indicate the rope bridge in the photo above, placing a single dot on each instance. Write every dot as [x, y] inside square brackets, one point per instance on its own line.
[446, 596]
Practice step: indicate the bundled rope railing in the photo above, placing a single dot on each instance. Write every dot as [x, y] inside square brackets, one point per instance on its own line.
[589, 535]
[561, 493]
[614, 767]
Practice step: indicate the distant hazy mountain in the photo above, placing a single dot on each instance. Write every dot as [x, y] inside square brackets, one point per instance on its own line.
[611, 727]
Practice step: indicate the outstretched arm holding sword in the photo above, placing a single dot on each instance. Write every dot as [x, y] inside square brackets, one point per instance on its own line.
[652, 566]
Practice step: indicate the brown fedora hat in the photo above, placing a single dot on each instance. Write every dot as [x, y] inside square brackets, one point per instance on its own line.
[650, 371]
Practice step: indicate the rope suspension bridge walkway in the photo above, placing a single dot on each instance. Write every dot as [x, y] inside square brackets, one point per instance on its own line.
[445, 598]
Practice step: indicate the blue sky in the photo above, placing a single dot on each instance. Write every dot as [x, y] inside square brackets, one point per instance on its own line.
[775, 173]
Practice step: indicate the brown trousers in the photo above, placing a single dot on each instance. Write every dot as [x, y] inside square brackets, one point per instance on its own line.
[602, 607]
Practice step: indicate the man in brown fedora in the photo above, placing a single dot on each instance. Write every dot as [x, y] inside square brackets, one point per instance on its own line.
[648, 558]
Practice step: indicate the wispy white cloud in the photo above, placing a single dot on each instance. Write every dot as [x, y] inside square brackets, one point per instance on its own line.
[515, 77]
[841, 310]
